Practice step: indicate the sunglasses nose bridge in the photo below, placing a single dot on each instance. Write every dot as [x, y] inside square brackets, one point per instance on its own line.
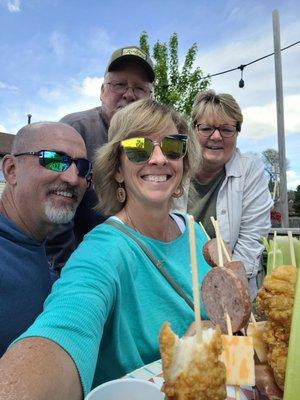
[157, 155]
[71, 174]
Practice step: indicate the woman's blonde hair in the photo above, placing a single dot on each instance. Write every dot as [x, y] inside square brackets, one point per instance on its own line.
[223, 105]
[141, 118]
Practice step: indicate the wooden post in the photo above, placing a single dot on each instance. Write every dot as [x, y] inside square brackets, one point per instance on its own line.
[283, 200]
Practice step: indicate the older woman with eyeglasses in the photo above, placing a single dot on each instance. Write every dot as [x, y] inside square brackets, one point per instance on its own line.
[103, 318]
[229, 185]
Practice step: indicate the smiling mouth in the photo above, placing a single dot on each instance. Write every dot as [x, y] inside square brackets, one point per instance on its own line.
[214, 147]
[156, 178]
[63, 193]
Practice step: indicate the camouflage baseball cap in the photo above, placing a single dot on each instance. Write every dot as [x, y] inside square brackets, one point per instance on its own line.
[131, 53]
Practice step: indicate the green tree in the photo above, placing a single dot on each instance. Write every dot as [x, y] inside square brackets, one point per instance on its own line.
[272, 166]
[172, 86]
[297, 201]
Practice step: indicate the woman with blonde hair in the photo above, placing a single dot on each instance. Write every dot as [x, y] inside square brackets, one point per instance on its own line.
[229, 185]
[128, 276]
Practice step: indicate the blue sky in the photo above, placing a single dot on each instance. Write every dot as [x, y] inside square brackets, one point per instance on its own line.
[54, 53]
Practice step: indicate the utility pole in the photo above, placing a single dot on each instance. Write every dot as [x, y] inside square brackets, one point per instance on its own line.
[283, 200]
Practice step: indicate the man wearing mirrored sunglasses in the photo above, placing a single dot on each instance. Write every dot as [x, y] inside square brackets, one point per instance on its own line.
[46, 177]
[129, 76]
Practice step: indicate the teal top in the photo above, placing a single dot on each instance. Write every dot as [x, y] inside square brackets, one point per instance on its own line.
[107, 309]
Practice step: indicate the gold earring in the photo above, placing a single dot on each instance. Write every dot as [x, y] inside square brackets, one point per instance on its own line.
[121, 193]
[178, 192]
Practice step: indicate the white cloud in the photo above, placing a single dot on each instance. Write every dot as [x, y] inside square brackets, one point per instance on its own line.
[259, 77]
[73, 96]
[5, 86]
[50, 95]
[291, 174]
[11, 5]
[3, 129]
[89, 87]
[291, 111]
[293, 179]
[261, 121]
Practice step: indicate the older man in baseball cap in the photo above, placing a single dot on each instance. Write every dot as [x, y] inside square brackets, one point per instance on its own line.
[129, 76]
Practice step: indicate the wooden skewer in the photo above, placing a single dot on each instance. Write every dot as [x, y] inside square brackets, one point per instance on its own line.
[228, 324]
[253, 320]
[220, 257]
[195, 281]
[200, 223]
[225, 251]
[237, 392]
[227, 256]
[274, 249]
[292, 249]
[221, 264]
[219, 240]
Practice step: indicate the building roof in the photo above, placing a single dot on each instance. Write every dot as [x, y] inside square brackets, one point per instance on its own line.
[6, 140]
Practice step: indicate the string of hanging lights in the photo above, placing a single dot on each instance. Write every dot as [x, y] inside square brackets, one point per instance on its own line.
[242, 66]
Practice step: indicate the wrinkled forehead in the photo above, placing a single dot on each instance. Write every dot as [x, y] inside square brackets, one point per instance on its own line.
[59, 138]
[130, 72]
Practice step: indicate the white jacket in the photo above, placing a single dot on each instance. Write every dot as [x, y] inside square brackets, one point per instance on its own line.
[243, 211]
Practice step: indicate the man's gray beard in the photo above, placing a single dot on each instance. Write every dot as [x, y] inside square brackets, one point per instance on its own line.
[61, 215]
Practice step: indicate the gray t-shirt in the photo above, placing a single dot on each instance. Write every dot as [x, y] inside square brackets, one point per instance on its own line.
[92, 126]
[203, 200]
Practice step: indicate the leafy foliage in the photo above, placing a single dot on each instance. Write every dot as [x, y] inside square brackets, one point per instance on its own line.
[172, 86]
[272, 165]
[297, 201]
[271, 160]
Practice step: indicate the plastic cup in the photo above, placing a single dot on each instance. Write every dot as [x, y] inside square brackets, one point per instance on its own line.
[126, 389]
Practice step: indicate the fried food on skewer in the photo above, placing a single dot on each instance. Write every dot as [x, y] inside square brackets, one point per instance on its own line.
[275, 301]
[192, 371]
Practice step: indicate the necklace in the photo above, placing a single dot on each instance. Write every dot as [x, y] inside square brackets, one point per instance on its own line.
[167, 236]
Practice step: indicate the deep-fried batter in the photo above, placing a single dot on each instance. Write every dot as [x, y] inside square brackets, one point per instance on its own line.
[192, 371]
[275, 301]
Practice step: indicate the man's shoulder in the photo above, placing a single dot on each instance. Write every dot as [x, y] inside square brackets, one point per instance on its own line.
[81, 115]
[91, 125]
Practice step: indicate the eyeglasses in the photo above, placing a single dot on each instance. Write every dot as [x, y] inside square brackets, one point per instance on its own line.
[59, 162]
[226, 131]
[139, 91]
[140, 149]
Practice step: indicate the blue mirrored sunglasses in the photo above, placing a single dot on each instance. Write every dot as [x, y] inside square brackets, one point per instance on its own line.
[59, 162]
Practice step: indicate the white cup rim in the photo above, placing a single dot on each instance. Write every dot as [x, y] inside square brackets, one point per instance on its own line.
[122, 380]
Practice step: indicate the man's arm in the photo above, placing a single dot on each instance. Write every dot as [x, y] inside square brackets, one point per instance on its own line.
[38, 369]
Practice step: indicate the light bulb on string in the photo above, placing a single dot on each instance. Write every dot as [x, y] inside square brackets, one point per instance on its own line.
[241, 82]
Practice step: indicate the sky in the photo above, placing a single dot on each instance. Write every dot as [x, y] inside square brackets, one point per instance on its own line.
[54, 52]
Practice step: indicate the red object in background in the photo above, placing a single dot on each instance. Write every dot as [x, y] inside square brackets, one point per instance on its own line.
[275, 216]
